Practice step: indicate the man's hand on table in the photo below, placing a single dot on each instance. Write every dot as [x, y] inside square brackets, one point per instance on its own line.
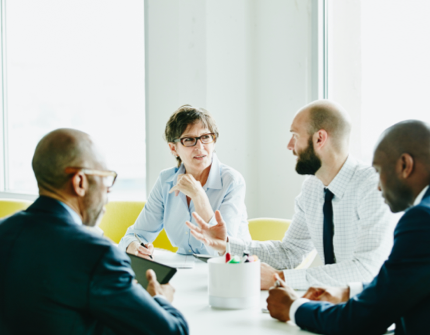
[134, 248]
[268, 276]
[155, 288]
[335, 295]
[280, 300]
[212, 236]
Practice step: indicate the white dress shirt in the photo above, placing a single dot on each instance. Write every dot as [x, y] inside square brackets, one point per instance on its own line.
[225, 189]
[354, 287]
[363, 226]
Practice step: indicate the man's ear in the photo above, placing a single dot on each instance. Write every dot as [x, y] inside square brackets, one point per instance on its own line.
[320, 138]
[405, 166]
[79, 184]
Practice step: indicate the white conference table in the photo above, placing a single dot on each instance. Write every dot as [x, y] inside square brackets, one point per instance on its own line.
[191, 298]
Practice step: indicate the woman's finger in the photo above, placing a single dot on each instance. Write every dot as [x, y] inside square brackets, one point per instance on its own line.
[200, 221]
[200, 237]
[193, 227]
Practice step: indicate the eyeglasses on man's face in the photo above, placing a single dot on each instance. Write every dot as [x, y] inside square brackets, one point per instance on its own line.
[192, 141]
[109, 177]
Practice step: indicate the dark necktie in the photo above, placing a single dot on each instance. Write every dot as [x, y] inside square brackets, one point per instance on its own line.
[328, 227]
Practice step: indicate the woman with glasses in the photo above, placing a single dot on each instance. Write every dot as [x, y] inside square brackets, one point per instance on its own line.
[200, 183]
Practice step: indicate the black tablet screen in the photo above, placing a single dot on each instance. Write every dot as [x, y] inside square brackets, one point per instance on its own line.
[141, 265]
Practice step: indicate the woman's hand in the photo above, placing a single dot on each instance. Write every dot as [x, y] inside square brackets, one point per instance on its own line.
[135, 248]
[212, 236]
[189, 186]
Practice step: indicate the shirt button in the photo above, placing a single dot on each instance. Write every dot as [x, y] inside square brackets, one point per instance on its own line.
[186, 232]
[189, 250]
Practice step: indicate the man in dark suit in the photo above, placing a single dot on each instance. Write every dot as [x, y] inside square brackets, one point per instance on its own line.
[59, 278]
[400, 293]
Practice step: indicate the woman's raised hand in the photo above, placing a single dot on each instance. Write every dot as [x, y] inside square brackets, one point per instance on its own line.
[212, 236]
[187, 184]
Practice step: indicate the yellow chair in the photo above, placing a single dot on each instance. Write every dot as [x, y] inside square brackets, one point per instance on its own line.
[268, 229]
[122, 214]
[11, 206]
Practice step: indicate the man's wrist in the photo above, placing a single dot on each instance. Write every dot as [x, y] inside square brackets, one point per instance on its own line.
[281, 275]
[295, 306]
[346, 295]
[354, 288]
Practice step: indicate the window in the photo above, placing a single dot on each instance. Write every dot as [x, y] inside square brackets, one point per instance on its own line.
[378, 65]
[77, 64]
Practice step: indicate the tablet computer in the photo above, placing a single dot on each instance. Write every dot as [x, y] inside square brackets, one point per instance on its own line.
[141, 265]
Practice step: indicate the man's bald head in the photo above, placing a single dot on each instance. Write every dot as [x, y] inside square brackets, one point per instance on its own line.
[410, 136]
[58, 150]
[402, 159]
[331, 117]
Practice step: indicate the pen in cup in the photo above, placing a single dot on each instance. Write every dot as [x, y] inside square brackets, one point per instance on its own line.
[141, 243]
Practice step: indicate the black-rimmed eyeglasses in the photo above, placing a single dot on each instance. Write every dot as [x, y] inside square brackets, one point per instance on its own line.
[192, 141]
[109, 177]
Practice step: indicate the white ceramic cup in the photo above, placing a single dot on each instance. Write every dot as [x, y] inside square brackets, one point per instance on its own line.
[233, 286]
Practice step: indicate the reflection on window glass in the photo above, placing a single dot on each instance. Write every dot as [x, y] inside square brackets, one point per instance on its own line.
[77, 64]
[380, 52]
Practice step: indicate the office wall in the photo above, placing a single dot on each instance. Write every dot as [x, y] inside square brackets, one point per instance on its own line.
[249, 63]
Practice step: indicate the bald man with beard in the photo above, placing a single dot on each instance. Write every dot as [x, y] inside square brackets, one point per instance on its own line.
[339, 211]
[59, 278]
[400, 293]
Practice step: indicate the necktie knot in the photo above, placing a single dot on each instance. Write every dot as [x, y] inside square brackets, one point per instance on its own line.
[328, 195]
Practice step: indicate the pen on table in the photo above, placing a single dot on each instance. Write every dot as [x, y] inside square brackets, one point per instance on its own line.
[141, 243]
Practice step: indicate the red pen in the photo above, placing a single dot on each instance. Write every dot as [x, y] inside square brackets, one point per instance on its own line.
[227, 252]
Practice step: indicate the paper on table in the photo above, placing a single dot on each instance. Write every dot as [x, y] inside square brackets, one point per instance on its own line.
[174, 260]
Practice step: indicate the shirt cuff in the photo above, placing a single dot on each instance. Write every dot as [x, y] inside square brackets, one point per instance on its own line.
[237, 245]
[355, 288]
[295, 306]
[296, 279]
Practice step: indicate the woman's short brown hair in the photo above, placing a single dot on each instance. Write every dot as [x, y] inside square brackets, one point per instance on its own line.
[183, 117]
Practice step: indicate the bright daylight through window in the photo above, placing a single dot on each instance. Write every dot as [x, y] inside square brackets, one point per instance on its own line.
[379, 64]
[77, 64]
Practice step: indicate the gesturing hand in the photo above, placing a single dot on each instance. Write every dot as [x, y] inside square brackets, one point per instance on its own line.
[212, 236]
[187, 185]
[335, 295]
[280, 300]
[154, 288]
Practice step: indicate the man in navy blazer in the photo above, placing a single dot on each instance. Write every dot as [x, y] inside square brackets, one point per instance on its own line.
[59, 278]
[400, 293]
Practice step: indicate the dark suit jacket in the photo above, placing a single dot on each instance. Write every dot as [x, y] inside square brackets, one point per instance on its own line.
[399, 294]
[56, 277]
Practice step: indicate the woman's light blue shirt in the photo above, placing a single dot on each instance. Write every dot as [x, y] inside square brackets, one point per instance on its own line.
[225, 189]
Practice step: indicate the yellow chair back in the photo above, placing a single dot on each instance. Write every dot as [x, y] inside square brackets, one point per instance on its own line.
[122, 214]
[11, 206]
[268, 229]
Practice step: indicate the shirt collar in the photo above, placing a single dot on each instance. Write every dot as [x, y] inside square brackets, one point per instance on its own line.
[75, 217]
[421, 195]
[337, 185]
[214, 179]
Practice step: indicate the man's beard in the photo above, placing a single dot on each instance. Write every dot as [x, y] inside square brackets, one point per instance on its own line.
[94, 206]
[308, 162]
